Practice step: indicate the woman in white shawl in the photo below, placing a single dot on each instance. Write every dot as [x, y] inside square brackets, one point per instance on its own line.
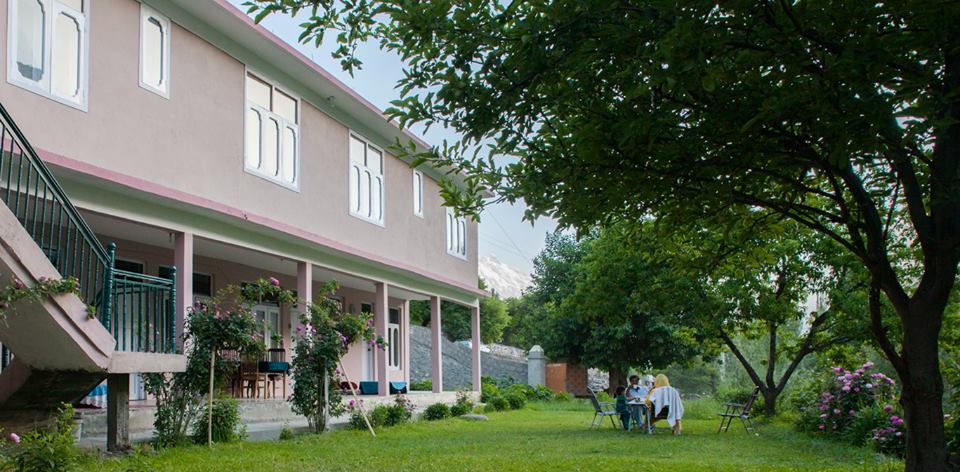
[670, 399]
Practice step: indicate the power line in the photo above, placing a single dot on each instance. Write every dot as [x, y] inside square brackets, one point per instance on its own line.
[505, 233]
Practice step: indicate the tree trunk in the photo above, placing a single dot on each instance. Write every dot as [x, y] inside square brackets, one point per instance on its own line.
[769, 401]
[922, 394]
[617, 377]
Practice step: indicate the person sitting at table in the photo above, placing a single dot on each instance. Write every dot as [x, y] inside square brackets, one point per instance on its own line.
[636, 393]
[621, 407]
[664, 398]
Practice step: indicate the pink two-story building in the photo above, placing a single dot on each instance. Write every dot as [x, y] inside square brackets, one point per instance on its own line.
[195, 139]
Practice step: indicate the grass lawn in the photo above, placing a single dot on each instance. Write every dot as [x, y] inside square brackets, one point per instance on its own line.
[542, 437]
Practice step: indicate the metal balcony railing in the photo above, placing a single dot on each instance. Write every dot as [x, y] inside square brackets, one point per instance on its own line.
[135, 308]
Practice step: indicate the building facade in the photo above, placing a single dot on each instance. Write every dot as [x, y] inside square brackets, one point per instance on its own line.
[193, 138]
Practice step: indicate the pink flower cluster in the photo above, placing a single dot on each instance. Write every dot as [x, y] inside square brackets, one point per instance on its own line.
[852, 392]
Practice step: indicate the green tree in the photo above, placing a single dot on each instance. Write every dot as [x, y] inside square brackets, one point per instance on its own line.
[843, 116]
[622, 311]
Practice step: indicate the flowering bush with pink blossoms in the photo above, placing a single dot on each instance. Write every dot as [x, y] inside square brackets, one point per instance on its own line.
[856, 406]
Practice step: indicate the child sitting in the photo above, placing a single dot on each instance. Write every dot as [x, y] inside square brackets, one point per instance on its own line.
[622, 408]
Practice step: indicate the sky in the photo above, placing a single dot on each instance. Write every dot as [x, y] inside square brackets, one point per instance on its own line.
[503, 233]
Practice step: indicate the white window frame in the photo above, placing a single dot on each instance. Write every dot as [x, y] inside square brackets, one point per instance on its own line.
[269, 311]
[418, 193]
[283, 123]
[364, 169]
[44, 88]
[147, 13]
[394, 342]
[456, 234]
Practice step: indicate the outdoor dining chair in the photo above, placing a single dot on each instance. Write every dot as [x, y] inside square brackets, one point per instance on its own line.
[602, 410]
[738, 410]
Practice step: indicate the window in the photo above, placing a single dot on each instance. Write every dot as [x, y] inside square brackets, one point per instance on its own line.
[456, 235]
[47, 52]
[393, 339]
[418, 193]
[154, 52]
[366, 180]
[272, 134]
[270, 317]
[202, 283]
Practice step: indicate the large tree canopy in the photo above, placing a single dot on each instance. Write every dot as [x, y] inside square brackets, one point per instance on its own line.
[842, 115]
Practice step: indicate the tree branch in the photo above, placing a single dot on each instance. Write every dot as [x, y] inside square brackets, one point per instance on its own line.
[743, 360]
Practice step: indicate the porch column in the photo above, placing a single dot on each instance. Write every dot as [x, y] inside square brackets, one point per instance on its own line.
[304, 292]
[475, 344]
[405, 341]
[381, 309]
[118, 411]
[436, 348]
[183, 260]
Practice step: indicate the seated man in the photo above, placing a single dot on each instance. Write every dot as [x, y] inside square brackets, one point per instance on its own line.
[636, 393]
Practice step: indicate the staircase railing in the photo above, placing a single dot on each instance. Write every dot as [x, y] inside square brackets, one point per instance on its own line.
[34, 196]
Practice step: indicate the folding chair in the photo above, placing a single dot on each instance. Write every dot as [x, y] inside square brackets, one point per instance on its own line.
[601, 410]
[738, 410]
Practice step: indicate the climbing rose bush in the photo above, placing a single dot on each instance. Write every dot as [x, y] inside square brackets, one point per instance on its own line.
[322, 339]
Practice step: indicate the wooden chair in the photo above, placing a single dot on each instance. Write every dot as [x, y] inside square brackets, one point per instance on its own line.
[602, 410]
[738, 410]
[251, 378]
[277, 355]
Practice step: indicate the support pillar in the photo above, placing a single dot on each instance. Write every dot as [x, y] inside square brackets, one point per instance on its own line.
[118, 411]
[475, 345]
[304, 292]
[381, 309]
[436, 345]
[405, 341]
[183, 260]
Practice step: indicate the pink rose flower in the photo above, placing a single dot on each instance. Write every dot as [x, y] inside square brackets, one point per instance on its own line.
[822, 427]
[14, 438]
[888, 408]
[274, 282]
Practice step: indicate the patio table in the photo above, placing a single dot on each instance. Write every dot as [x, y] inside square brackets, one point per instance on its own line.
[276, 367]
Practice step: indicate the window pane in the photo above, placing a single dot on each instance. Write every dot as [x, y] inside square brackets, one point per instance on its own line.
[289, 162]
[462, 235]
[450, 232]
[364, 207]
[357, 150]
[376, 199]
[66, 56]
[285, 106]
[253, 139]
[271, 153]
[30, 34]
[417, 193]
[258, 92]
[153, 52]
[395, 347]
[374, 160]
[77, 5]
[355, 188]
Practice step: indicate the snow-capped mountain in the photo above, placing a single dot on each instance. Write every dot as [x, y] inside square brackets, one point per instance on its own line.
[507, 281]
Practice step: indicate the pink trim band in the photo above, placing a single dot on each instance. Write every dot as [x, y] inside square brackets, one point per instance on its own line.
[198, 201]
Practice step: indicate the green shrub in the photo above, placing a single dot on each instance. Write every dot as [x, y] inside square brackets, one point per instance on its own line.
[286, 433]
[604, 397]
[953, 435]
[516, 400]
[422, 385]
[437, 411]
[527, 391]
[544, 393]
[488, 391]
[399, 412]
[463, 405]
[563, 396]
[226, 425]
[50, 449]
[497, 403]
[488, 380]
